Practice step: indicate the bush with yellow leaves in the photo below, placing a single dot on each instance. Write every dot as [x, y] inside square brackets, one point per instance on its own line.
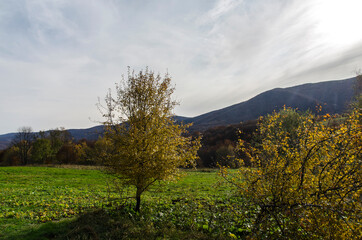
[305, 179]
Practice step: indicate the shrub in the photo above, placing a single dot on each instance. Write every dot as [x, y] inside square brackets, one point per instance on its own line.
[305, 179]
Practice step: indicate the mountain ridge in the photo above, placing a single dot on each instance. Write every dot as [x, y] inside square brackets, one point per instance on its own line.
[332, 95]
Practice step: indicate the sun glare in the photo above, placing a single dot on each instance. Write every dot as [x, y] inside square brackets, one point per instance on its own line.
[338, 22]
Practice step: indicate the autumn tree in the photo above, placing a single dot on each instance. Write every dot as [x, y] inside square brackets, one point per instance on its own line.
[22, 143]
[306, 177]
[144, 143]
[87, 152]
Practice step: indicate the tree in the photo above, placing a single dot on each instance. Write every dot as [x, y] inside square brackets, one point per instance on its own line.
[144, 143]
[306, 177]
[23, 141]
[58, 137]
[357, 99]
[41, 151]
[358, 84]
[86, 152]
[67, 154]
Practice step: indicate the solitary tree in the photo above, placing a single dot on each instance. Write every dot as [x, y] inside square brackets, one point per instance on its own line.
[143, 141]
[22, 141]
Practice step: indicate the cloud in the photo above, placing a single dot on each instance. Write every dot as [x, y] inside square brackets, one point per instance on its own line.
[57, 57]
[221, 7]
[267, 44]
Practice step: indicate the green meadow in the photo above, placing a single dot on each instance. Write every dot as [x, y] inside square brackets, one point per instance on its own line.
[69, 203]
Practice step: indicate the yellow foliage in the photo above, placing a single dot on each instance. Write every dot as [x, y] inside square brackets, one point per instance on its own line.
[306, 176]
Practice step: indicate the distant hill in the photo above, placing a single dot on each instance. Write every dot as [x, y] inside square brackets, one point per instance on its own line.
[5, 140]
[77, 134]
[333, 96]
[88, 133]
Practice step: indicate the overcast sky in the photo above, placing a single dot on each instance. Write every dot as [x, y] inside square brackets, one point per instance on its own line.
[58, 56]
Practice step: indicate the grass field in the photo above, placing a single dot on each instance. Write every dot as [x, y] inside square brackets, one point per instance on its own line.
[48, 202]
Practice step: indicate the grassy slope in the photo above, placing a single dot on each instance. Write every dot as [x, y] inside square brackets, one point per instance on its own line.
[45, 203]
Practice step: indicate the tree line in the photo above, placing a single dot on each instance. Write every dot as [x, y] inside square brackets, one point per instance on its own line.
[57, 146]
[46, 147]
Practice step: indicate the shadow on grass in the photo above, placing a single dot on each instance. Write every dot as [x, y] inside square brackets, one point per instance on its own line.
[105, 225]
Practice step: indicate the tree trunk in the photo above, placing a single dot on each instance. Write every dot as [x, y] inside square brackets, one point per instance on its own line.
[138, 200]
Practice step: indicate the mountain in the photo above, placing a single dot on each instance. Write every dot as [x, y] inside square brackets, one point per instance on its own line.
[5, 140]
[90, 133]
[333, 96]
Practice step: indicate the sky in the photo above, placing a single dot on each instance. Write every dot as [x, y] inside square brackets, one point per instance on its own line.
[57, 57]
